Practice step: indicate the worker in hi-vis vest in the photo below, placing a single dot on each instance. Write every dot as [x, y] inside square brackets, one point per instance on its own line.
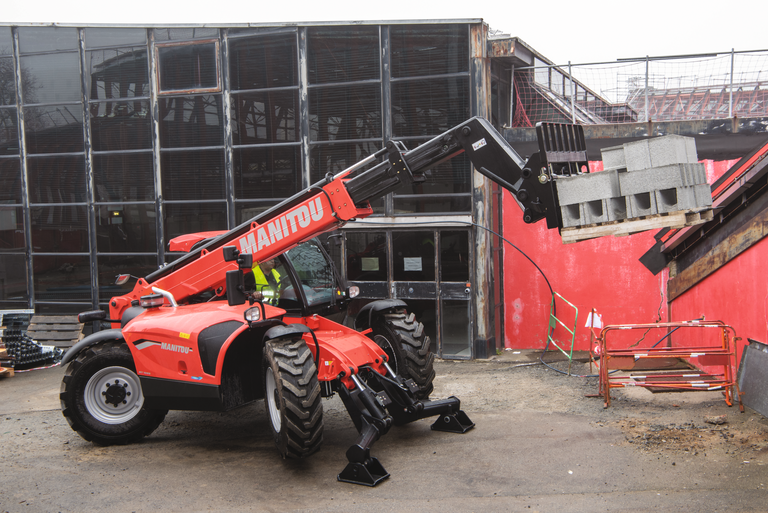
[267, 281]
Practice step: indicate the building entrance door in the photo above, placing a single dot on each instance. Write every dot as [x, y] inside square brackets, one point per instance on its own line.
[428, 269]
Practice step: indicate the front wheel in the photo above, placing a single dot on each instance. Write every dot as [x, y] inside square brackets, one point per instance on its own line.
[407, 347]
[101, 397]
[292, 397]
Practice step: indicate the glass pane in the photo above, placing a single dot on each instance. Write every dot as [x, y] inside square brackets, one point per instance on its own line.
[247, 210]
[7, 81]
[120, 125]
[10, 180]
[56, 179]
[54, 129]
[46, 39]
[456, 329]
[193, 218]
[11, 228]
[124, 177]
[419, 50]
[110, 36]
[187, 67]
[414, 256]
[334, 158]
[343, 54]
[62, 229]
[263, 62]
[432, 205]
[266, 117]
[191, 121]
[118, 73]
[193, 175]
[13, 280]
[9, 131]
[314, 271]
[51, 78]
[454, 256]
[272, 172]
[366, 256]
[126, 228]
[180, 34]
[6, 41]
[429, 107]
[62, 278]
[351, 112]
[110, 266]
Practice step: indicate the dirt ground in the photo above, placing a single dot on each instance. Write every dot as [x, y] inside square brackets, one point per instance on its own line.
[539, 445]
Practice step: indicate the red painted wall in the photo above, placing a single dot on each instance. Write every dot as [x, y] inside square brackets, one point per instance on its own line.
[603, 273]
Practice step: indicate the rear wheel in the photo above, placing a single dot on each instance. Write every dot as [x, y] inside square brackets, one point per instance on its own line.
[407, 347]
[101, 397]
[292, 397]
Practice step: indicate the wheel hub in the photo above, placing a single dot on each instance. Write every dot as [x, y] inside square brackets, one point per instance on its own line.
[113, 395]
[116, 393]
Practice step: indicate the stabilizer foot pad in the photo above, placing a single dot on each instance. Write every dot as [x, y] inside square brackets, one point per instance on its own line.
[369, 473]
[453, 423]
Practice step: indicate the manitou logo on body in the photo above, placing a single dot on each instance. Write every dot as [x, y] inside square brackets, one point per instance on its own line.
[175, 348]
[283, 226]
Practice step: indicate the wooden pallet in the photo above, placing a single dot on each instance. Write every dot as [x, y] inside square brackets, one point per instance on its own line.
[679, 219]
[55, 330]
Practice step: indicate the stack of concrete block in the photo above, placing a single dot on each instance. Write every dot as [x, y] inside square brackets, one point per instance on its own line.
[643, 178]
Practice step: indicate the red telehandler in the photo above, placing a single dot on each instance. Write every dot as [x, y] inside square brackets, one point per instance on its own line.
[197, 334]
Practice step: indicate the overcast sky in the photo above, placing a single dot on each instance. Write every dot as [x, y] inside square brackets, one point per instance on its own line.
[562, 31]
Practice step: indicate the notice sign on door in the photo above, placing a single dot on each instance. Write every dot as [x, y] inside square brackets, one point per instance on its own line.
[412, 264]
[370, 263]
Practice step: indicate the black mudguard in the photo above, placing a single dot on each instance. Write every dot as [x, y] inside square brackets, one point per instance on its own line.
[364, 319]
[90, 340]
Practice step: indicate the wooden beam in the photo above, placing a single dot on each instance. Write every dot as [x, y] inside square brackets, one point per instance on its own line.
[738, 242]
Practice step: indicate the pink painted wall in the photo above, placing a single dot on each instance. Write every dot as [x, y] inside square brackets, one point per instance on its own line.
[604, 274]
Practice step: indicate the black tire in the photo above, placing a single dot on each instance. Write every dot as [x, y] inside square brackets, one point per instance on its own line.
[407, 347]
[292, 397]
[101, 396]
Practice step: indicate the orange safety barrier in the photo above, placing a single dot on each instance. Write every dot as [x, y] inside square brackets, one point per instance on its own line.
[659, 367]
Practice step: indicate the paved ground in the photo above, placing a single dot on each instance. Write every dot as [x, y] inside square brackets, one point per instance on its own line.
[539, 445]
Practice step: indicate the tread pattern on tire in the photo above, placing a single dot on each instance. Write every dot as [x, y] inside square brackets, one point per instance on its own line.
[415, 347]
[301, 404]
[78, 418]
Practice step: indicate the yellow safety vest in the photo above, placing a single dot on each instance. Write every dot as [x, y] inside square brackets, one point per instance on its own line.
[268, 289]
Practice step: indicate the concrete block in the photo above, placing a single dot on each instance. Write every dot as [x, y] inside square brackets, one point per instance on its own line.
[637, 155]
[594, 212]
[642, 204]
[660, 151]
[588, 187]
[571, 215]
[664, 177]
[672, 149]
[696, 197]
[613, 158]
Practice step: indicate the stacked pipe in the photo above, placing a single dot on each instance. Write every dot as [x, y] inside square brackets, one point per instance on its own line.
[639, 179]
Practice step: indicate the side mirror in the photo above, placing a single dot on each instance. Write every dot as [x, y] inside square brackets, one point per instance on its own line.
[235, 288]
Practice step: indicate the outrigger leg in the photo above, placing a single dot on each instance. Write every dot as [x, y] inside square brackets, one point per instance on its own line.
[380, 402]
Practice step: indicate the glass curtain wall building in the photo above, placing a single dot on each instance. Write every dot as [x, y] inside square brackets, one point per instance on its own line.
[114, 140]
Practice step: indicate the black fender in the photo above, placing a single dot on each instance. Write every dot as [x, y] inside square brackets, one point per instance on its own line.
[295, 331]
[364, 319]
[91, 340]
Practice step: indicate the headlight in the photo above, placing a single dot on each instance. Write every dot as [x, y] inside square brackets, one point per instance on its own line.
[252, 314]
[353, 291]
